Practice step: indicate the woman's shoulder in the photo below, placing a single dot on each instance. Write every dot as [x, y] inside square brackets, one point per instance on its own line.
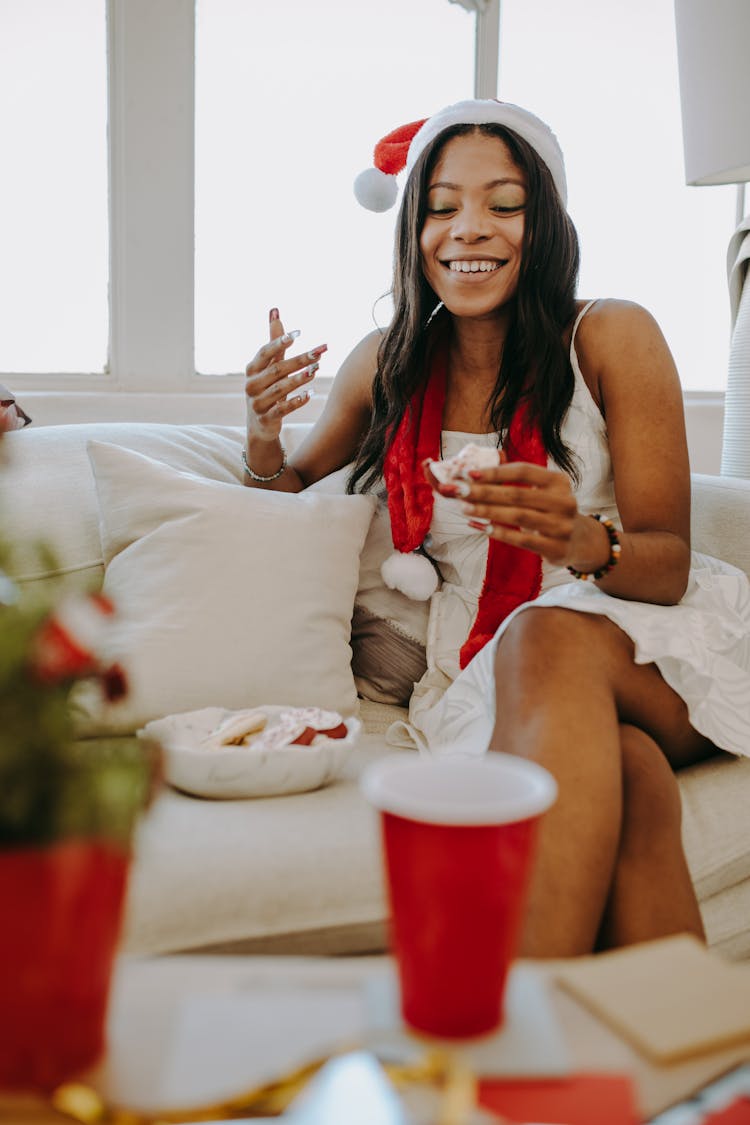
[612, 314]
[611, 327]
[357, 371]
[366, 350]
[609, 318]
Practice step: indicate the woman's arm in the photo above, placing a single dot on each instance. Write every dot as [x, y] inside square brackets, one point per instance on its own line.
[272, 393]
[630, 372]
[639, 390]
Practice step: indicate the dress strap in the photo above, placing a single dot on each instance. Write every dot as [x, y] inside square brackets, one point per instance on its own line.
[578, 319]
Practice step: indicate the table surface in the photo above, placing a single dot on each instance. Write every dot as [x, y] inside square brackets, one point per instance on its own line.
[148, 994]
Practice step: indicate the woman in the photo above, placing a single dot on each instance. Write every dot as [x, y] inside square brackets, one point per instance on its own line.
[573, 647]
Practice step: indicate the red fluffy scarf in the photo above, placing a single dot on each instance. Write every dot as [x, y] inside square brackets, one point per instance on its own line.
[513, 574]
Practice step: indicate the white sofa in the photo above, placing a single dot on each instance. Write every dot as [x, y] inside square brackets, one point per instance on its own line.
[301, 873]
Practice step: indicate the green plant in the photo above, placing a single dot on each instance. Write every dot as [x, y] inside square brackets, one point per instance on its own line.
[52, 786]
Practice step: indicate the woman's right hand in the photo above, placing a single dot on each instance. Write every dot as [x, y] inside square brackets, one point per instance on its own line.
[275, 386]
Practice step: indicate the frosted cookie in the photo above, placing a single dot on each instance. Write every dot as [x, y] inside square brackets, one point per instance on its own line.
[236, 730]
[301, 727]
[470, 457]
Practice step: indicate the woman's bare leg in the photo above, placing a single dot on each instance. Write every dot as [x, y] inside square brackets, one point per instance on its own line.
[565, 681]
[652, 893]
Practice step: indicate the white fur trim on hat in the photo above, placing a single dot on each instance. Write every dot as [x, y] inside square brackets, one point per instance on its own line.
[375, 188]
[488, 111]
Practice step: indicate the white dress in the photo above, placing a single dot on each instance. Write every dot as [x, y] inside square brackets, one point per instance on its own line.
[701, 646]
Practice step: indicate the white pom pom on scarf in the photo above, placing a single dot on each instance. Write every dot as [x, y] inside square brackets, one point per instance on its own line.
[411, 573]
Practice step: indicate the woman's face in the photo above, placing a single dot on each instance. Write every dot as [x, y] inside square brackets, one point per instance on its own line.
[473, 232]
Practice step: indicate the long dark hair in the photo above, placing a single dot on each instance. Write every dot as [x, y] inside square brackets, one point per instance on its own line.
[534, 362]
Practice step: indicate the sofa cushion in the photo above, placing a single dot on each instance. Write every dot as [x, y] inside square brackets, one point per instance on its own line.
[227, 596]
[188, 890]
[48, 485]
[389, 630]
[725, 918]
[238, 873]
[720, 518]
[715, 822]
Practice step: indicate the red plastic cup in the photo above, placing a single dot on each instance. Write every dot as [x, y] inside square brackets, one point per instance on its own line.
[63, 907]
[458, 837]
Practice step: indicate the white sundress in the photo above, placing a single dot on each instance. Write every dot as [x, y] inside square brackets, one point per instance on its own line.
[701, 646]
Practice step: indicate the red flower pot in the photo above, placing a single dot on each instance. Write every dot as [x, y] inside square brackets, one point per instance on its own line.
[62, 906]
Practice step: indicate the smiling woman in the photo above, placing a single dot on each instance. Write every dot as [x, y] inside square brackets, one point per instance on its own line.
[564, 551]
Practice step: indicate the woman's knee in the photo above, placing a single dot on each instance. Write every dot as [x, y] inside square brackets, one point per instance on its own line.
[559, 653]
[651, 796]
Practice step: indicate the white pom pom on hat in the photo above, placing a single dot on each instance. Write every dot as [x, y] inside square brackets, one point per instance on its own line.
[375, 190]
[403, 147]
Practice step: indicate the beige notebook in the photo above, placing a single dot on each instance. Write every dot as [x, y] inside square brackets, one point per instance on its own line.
[671, 998]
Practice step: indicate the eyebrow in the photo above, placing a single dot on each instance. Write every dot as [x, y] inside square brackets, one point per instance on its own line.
[485, 187]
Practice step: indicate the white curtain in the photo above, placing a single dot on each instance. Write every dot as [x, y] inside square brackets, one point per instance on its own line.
[735, 454]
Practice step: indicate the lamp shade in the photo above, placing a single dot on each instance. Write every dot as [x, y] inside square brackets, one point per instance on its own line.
[713, 53]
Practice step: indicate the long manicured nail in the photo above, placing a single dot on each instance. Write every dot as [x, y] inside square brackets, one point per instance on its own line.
[301, 397]
[461, 488]
[289, 336]
[315, 352]
[480, 524]
[273, 315]
[309, 372]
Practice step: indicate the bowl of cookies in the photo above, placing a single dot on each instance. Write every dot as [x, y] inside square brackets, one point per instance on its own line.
[259, 752]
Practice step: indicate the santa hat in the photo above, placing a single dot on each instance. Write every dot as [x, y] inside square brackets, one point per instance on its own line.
[376, 189]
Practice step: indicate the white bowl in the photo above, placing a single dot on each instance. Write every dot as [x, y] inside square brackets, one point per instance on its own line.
[242, 771]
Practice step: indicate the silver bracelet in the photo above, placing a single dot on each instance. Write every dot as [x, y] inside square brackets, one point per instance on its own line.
[256, 476]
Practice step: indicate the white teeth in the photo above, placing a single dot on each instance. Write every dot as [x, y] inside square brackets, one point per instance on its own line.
[473, 267]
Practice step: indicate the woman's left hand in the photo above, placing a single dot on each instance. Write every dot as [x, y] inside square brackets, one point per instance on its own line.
[532, 507]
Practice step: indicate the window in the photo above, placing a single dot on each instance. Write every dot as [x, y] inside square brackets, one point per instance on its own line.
[605, 77]
[235, 130]
[53, 187]
[290, 101]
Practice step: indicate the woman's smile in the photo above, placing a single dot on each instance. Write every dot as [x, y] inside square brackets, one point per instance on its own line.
[470, 268]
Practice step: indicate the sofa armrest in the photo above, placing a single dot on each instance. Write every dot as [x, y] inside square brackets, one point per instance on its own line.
[720, 521]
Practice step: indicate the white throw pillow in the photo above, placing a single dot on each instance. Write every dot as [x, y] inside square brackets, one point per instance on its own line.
[228, 596]
[409, 616]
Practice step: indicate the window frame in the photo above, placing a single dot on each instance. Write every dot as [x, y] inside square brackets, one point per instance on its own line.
[150, 372]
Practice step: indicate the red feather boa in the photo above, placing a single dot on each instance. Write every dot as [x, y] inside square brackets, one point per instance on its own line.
[513, 574]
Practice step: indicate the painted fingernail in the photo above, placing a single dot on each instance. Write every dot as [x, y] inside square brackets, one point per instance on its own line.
[273, 315]
[289, 336]
[315, 352]
[475, 474]
[308, 372]
[462, 488]
[301, 397]
[480, 524]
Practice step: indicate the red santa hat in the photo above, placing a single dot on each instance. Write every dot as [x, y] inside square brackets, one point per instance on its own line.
[376, 189]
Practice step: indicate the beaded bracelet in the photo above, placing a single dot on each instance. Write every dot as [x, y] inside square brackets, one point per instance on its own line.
[614, 553]
[256, 476]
